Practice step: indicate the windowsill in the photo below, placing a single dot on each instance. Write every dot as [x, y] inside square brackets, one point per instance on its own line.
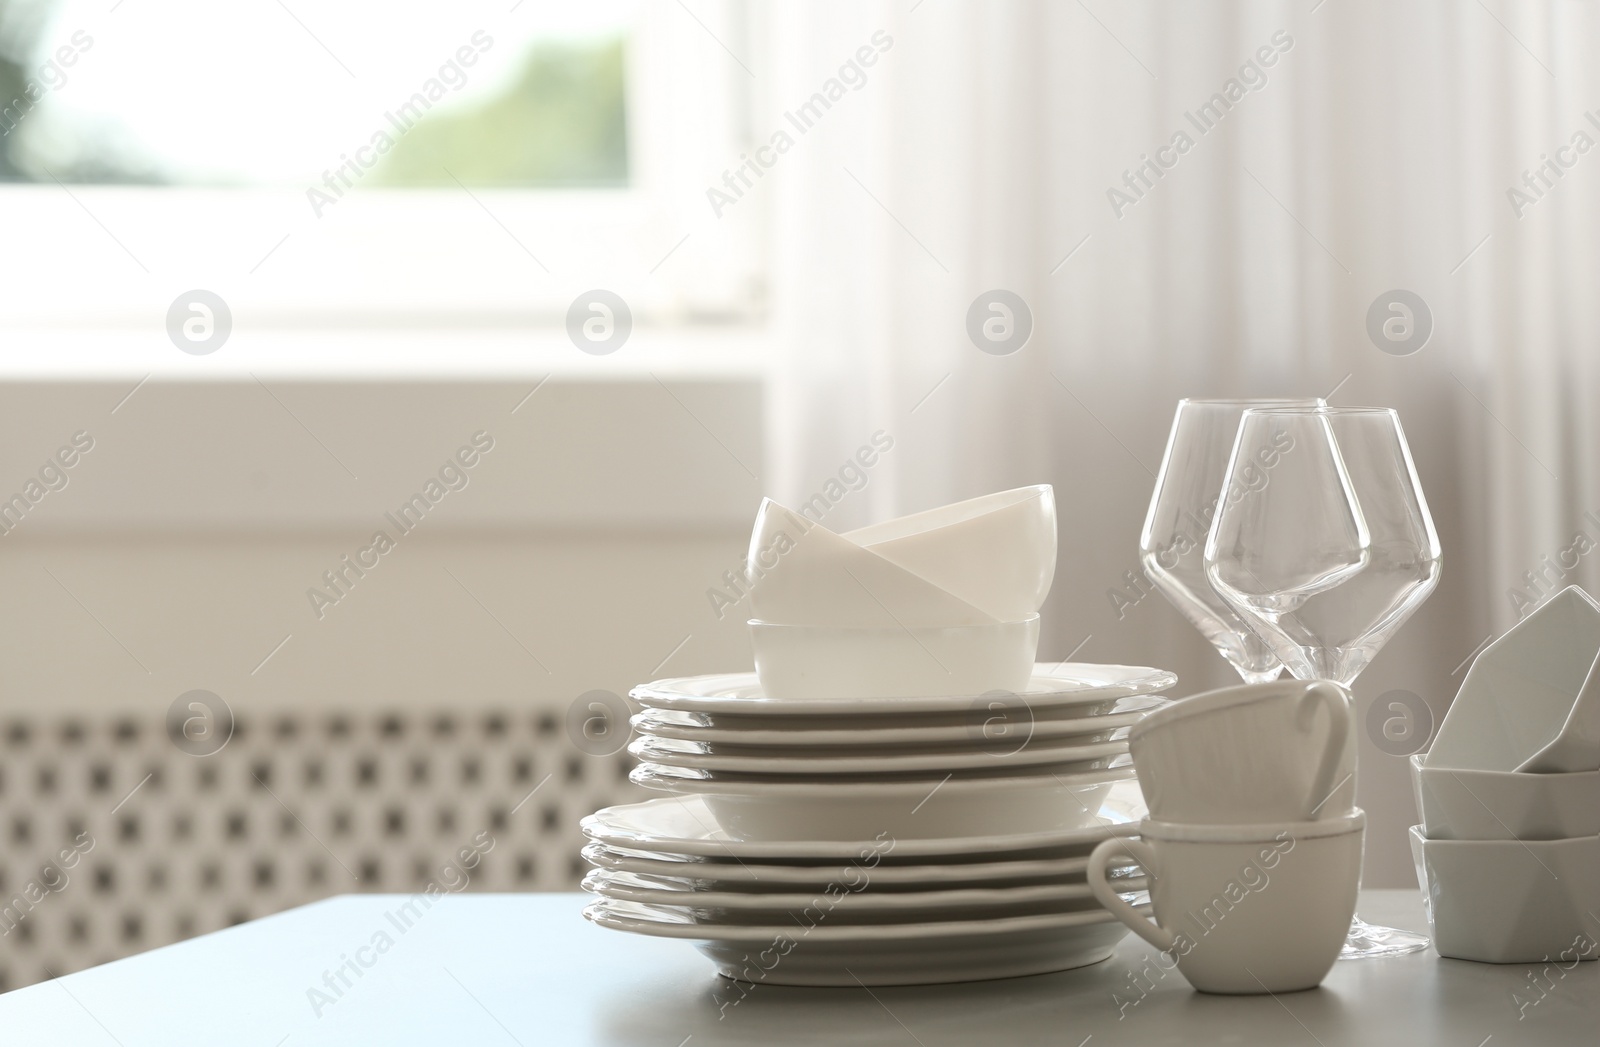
[732, 351]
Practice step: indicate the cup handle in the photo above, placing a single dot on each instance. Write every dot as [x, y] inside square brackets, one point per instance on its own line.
[1107, 895]
[1337, 699]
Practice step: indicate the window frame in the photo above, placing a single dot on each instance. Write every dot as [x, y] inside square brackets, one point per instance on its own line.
[99, 258]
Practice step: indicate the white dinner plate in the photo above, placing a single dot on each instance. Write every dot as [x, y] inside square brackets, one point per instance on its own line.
[985, 728]
[883, 954]
[856, 900]
[683, 825]
[711, 874]
[1053, 686]
[1070, 757]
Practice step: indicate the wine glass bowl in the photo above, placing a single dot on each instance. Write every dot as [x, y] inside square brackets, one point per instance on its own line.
[1188, 491]
[1328, 559]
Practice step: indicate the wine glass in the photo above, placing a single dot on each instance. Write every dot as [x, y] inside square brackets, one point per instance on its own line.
[1172, 544]
[1327, 553]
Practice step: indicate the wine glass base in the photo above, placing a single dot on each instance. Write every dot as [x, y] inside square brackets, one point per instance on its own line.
[1367, 940]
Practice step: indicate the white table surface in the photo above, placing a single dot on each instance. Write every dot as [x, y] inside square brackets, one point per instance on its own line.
[527, 969]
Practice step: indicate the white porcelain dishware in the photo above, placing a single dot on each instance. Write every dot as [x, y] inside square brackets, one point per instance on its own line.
[853, 900]
[1531, 701]
[1054, 689]
[1024, 752]
[986, 727]
[850, 808]
[1505, 805]
[814, 662]
[997, 552]
[804, 574]
[878, 954]
[1242, 909]
[1511, 901]
[685, 826]
[751, 875]
[1254, 753]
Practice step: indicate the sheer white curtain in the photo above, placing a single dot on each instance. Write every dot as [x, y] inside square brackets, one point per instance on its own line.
[1375, 152]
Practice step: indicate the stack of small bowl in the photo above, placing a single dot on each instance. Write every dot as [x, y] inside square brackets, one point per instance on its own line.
[898, 794]
[1508, 852]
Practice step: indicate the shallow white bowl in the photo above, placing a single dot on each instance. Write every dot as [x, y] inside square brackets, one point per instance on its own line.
[803, 662]
[684, 827]
[1505, 805]
[804, 574]
[776, 809]
[997, 552]
[1531, 701]
[1510, 901]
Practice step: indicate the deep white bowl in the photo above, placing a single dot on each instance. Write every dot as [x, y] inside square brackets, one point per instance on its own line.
[1505, 805]
[938, 807]
[803, 662]
[1510, 901]
[807, 575]
[997, 552]
[1531, 701]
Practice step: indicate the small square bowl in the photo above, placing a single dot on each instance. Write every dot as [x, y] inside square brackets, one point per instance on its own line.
[1510, 901]
[1505, 805]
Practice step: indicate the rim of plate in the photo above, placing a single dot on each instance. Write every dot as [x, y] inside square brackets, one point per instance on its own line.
[1024, 755]
[779, 903]
[688, 780]
[604, 911]
[622, 859]
[1119, 816]
[868, 737]
[1052, 684]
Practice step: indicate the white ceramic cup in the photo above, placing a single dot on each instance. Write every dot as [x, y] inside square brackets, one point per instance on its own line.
[1242, 909]
[1253, 754]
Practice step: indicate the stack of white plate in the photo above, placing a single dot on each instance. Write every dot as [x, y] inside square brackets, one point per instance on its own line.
[875, 840]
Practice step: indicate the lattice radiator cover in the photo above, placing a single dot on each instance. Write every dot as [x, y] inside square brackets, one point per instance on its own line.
[113, 840]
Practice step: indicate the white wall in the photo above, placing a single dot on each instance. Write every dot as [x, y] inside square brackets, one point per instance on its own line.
[181, 549]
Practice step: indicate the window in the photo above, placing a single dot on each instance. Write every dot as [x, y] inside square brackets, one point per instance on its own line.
[530, 104]
[368, 164]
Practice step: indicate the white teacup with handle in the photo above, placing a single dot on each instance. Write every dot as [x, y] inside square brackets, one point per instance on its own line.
[1257, 753]
[1242, 908]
